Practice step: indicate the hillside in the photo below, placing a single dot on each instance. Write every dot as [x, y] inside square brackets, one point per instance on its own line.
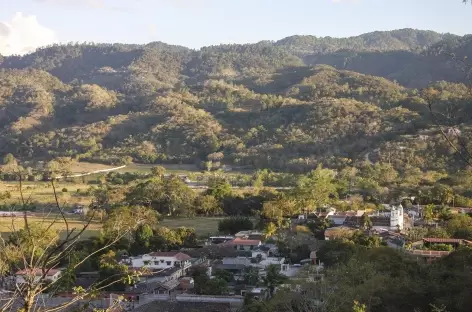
[270, 104]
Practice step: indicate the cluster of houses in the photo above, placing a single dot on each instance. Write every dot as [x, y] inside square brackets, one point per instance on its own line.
[392, 226]
[170, 273]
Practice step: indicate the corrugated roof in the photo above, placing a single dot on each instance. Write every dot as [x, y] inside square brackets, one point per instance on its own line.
[245, 242]
[175, 254]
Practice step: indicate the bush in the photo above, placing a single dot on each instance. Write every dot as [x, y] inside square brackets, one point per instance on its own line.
[442, 247]
[64, 190]
[234, 225]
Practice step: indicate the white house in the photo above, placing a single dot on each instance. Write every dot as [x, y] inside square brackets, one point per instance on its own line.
[161, 260]
[28, 275]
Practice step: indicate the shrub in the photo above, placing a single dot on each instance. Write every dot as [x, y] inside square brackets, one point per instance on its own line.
[234, 225]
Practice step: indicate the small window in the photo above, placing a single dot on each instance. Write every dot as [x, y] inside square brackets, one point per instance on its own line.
[162, 261]
[146, 262]
[156, 262]
[241, 247]
[169, 262]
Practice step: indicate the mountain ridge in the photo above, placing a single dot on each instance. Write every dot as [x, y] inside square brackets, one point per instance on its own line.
[258, 105]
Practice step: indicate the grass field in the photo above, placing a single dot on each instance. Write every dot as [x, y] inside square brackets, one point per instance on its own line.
[10, 224]
[42, 192]
[176, 169]
[203, 226]
[82, 167]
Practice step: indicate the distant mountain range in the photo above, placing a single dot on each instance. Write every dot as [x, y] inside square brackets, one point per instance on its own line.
[286, 104]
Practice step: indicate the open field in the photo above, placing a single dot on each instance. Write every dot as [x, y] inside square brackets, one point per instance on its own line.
[10, 224]
[42, 192]
[83, 167]
[176, 169]
[203, 226]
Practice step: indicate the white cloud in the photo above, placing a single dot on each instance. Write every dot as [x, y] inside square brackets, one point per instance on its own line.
[23, 34]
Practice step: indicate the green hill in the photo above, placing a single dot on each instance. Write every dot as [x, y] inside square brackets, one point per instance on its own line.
[287, 105]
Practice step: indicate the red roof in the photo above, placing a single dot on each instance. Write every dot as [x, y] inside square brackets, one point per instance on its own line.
[38, 272]
[245, 242]
[443, 240]
[174, 254]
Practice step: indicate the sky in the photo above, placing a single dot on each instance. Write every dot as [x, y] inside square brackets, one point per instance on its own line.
[28, 24]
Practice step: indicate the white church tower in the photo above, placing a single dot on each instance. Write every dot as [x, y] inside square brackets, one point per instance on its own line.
[396, 218]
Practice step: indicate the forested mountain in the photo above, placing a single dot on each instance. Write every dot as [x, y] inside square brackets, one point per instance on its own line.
[286, 105]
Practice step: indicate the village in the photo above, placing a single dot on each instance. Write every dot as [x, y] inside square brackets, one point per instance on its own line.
[226, 271]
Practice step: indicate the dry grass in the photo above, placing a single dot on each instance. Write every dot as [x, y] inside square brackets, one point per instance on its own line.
[81, 167]
[176, 169]
[9, 224]
[42, 193]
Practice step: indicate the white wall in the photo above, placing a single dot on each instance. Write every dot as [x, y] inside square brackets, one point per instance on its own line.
[157, 262]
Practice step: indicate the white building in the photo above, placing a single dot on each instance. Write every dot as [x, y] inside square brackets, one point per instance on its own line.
[396, 218]
[28, 275]
[161, 260]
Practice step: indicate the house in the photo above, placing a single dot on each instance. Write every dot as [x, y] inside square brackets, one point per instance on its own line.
[244, 244]
[392, 220]
[158, 282]
[160, 260]
[27, 275]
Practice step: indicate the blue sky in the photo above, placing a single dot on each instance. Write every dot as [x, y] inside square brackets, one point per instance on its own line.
[196, 23]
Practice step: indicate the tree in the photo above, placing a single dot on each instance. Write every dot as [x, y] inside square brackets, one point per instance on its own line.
[207, 205]
[270, 230]
[35, 250]
[315, 189]
[224, 275]
[9, 159]
[366, 222]
[206, 286]
[234, 225]
[358, 307]
[142, 239]
[158, 171]
[428, 213]
[218, 188]
[273, 278]
[251, 276]
[169, 196]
